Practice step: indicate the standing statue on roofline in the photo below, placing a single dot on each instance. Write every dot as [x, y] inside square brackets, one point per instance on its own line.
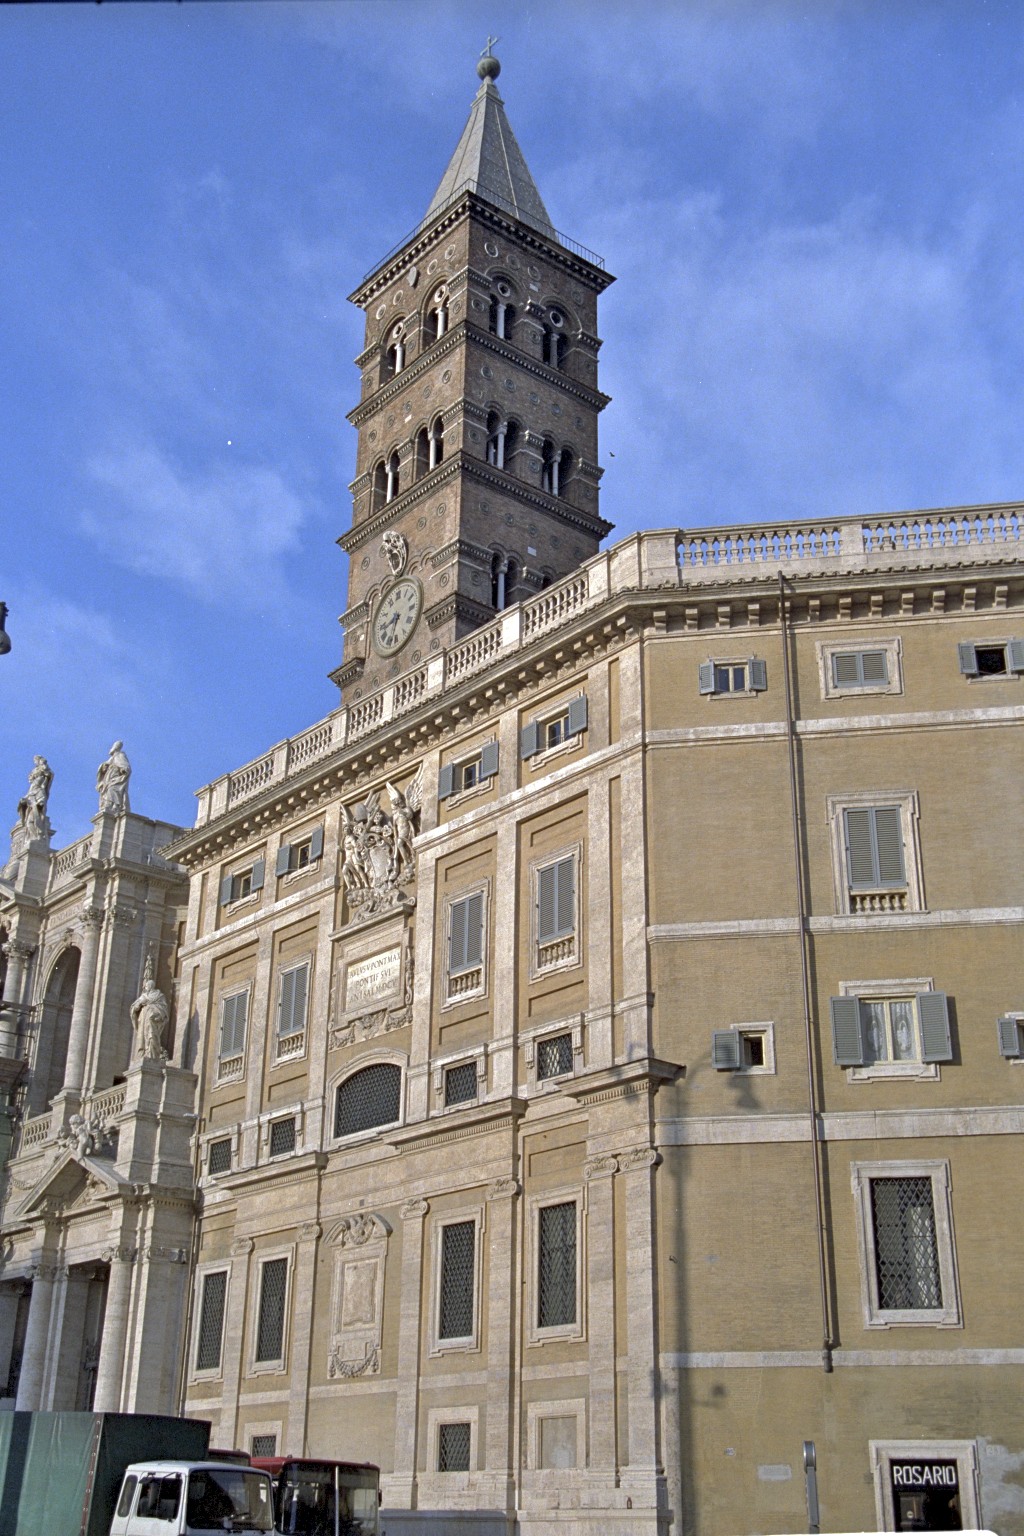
[150, 1015]
[32, 815]
[112, 781]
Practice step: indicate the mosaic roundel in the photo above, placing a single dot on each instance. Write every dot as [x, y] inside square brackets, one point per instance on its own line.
[398, 297]
[364, 564]
[382, 310]
[490, 248]
[432, 265]
[446, 377]
[486, 372]
[421, 522]
[449, 253]
[444, 579]
[390, 421]
[440, 509]
[534, 398]
[435, 645]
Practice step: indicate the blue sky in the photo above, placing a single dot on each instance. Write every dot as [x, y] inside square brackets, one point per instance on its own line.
[813, 210]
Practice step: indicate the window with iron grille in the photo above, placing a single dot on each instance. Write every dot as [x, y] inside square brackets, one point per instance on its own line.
[218, 1157]
[906, 1251]
[369, 1098]
[554, 1056]
[282, 1136]
[460, 1083]
[263, 1445]
[270, 1322]
[453, 1447]
[458, 1266]
[556, 1265]
[211, 1320]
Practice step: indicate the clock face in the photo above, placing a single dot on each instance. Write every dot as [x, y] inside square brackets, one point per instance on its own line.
[396, 616]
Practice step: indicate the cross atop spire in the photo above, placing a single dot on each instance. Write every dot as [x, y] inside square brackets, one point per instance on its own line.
[487, 159]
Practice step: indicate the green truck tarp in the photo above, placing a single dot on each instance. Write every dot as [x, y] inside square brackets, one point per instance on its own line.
[60, 1472]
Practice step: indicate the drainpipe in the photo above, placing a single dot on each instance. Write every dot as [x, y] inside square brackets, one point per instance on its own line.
[805, 982]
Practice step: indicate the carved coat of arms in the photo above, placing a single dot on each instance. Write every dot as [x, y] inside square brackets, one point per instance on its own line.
[378, 848]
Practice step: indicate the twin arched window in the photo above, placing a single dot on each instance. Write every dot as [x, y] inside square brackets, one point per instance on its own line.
[370, 1098]
[502, 315]
[502, 437]
[429, 447]
[504, 576]
[394, 356]
[555, 468]
[435, 321]
[554, 342]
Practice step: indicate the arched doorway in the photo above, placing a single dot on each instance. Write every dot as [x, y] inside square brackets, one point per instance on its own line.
[51, 1053]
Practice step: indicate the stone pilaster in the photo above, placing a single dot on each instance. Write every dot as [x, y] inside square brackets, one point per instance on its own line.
[234, 1335]
[110, 1371]
[33, 1360]
[502, 1209]
[81, 1013]
[303, 1286]
[402, 1489]
[644, 1469]
[504, 959]
[601, 1320]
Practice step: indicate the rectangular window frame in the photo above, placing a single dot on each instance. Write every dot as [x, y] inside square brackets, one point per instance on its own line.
[468, 1343]
[1013, 657]
[473, 773]
[883, 1453]
[279, 1119]
[208, 1145]
[555, 1408]
[214, 1267]
[535, 1334]
[279, 1363]
[292, 1047]
[470, 982]
[872, 903]
[275, 1431]
[734, 1035]
[442, 1065]
[1014, 1033]
[239, 887]
[232, 1066]
[709, 677]
[949, 1315]
[299, 857]
[470, 1415]
[569, 717]
[828, 650]
[561, 952]
[889, 989]
[532, 1038]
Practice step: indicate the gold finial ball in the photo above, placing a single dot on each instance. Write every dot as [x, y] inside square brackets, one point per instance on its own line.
[488, 68]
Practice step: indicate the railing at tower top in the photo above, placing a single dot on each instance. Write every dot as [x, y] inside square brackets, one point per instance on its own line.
[547, 232]
[689, 558]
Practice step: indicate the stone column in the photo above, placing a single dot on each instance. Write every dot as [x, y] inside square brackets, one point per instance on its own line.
[33, 1360]
[81, 1013]
[110, 1371]
[599, 1173]
[303, 1285]
[234, 1335]
[641, 1322]
[10, 1298]
[402, 1493]
[18, 957]
[502, 1317]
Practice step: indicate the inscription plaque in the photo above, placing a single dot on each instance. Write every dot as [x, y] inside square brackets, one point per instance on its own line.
[366, 981]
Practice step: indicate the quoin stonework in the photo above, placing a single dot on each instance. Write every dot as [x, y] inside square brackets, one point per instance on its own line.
[592, 1054]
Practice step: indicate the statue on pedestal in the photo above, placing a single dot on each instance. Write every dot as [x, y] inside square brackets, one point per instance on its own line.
[32, 817]
[150, 1016]
[112, 781]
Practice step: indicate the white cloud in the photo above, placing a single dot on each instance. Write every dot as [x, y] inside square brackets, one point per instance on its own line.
[222, 533]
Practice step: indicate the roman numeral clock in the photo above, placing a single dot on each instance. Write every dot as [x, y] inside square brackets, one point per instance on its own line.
[396, 616]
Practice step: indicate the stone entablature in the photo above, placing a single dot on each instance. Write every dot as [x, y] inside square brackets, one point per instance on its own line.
[956, 541]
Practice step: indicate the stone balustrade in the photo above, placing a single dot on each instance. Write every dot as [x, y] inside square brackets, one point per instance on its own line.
[64, 864]
[34, 1131]
[969, 536]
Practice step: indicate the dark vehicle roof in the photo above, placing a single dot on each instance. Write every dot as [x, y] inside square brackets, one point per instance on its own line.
[275, 1464]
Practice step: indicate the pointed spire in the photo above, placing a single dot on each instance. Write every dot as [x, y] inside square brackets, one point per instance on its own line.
[488, 161]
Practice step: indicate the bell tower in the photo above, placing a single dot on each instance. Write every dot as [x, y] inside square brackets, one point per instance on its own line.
[476, 472]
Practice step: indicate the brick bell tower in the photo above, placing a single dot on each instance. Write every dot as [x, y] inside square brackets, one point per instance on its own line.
[477, 474]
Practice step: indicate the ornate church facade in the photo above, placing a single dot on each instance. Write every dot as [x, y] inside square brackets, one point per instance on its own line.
[604, 1025]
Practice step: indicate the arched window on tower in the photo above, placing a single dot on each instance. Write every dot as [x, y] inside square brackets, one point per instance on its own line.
[379, 489]
[436, 443]
[391, 470]
[566, 460]
[501, 440]
[548, 468]
[502, 315]
[499, 570]
[395, 354]
[556, 343]
[435, 323]
[421, 457]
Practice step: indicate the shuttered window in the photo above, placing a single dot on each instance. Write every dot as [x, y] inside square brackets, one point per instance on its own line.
[233, 1015]
[211, 1320]
[874, 846]
[291, 1007]
[458, 1265]
[270, 1322]
[556, 900]
[869, 1031]
[465, 938]
[860, 669]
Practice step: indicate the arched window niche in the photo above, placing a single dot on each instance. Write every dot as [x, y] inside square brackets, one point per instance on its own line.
[368, 1099]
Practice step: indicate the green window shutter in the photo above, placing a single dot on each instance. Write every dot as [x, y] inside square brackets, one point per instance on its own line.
[757, 671]
[284, 860]
[706, 677]
[465, 943]
[726, 1049]
[933, 1014]
[847, 1034]
[860, 859]
[233, 1016]
[446, 781]
[474, 929]
[529, 740]
[1015, 656]
[565, 896]
[845, 672]
[968, 659]
[291, 1017]
[577, 715]
[225, 890]
[259, 870]
[889, 845]
[874, 667]
[457, 937]
[1009, 1039]
[547, 903]
[489, 760]
[316, 844]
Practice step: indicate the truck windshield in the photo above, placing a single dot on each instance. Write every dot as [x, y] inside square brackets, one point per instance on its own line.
[228, 1499]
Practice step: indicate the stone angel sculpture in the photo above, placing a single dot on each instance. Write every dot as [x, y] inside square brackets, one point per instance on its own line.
[405, 807]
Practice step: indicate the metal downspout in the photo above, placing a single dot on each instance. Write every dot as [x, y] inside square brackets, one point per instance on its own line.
[805, 982]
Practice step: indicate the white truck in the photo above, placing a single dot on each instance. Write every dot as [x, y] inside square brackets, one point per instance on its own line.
[189, 1498]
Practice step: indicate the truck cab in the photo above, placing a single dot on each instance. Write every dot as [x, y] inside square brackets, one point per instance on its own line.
[187, 1498]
